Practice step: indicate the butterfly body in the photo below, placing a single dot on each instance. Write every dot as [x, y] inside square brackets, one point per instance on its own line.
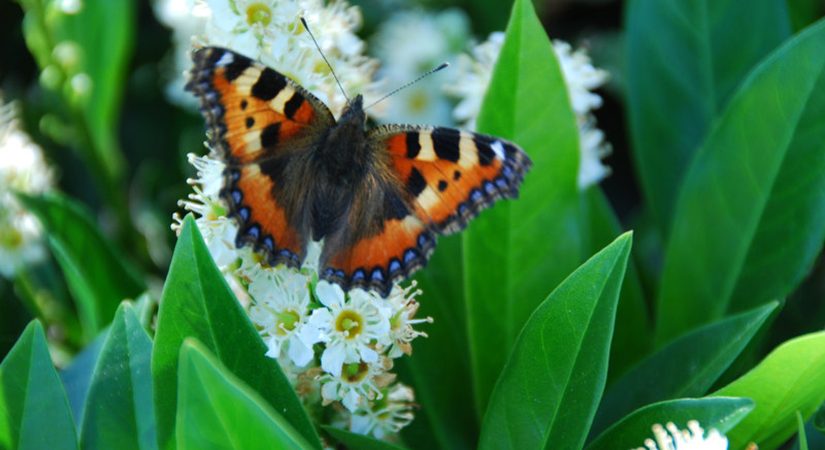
[377, 197]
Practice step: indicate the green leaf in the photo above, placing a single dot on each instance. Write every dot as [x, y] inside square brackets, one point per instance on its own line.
[98, 276]
[633, 334]
[34, 412]
[685, 58]
[447, 419]
[548, 391]
[119, 411]
[517, 252]
[216, 410]
[759, 179]
[791, 378]
[358, 441]
[77, 377]
[197, 302]
[720, 413]
[800, 429]
[687, 367]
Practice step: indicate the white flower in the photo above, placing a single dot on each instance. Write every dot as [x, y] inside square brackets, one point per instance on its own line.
[409, 44]
[580, 77]
[22, 169]
[403, 307]
[280, 312]
[351, 330]
[691, 439]
[218, 231]
[473, 78]
[357, 382]
[270, 31]
[385, 416]
[186, 21]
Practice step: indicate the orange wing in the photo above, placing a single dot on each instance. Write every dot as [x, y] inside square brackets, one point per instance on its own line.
[432, 181]
[382, 240]
[452, 175]
[257, 121]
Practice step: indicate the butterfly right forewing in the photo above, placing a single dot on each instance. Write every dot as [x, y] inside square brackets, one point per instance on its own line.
[452, 175]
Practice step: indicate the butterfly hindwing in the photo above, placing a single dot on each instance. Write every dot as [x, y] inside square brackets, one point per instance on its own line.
[258, 120]
[383, 240]
[452, 175]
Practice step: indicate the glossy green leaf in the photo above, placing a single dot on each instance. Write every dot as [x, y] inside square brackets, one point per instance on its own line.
[77, 377]
[447, 418]
[34, 412]
[98, 277]
[119, 411]
[720, 413]
[217, 410]
[548, 391]
[685, 59]
[197, 302]
[633, 334]
[517, 252]
[687, 367]
[358, 441]
[758, 180]
[800, 429]
[791, 378]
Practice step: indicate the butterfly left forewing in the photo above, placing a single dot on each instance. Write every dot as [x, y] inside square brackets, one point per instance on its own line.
[258, 121]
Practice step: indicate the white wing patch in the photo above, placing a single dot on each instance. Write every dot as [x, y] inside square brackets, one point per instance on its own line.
[498, 149]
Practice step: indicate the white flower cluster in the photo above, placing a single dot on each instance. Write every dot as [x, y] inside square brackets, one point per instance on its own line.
[338, 344]
[579, 75]
[22, 169]
[270, 31]
[693, 438]
[409, 44]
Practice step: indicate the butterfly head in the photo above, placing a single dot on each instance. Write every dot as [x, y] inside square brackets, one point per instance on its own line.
[354, 110]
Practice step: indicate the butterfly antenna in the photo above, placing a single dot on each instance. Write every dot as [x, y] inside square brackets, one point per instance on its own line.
[442, 66]
[306, 27]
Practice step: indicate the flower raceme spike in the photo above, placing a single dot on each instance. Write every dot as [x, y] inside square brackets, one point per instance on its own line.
[23, 169]
[474, 73]
[335, 348]
[324, 292]
[270, 31]
[671, 437]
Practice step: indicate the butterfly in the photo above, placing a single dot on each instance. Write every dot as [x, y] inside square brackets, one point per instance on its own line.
[378, 198]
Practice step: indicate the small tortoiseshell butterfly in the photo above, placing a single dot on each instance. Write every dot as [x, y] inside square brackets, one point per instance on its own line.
[378, 197]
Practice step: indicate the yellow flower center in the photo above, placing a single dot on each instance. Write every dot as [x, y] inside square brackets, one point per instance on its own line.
[258, 13]
[10, 238]
[349, 321]
[287, 321]
[355, 372]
